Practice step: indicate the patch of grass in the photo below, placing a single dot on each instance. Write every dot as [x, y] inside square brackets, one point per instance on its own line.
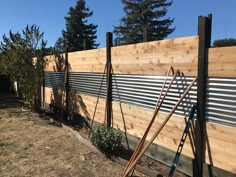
[3, 143]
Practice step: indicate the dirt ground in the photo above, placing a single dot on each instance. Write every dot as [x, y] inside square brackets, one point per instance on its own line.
[32, 146]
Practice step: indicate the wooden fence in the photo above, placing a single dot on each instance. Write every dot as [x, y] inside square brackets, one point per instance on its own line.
[154, 58]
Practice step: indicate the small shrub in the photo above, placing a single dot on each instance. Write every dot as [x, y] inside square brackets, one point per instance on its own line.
[106, 139]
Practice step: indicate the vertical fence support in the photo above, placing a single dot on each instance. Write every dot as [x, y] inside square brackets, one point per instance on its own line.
[109, 79]
[67, 82]
[204, 32]
[145, 34]
[85, 44]
[43, 95]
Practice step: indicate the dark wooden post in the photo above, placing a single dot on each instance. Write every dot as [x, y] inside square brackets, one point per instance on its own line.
[67, 82]
[85, 44]
[145, 34]
[109, 79]
[204, 32]
[43, 101]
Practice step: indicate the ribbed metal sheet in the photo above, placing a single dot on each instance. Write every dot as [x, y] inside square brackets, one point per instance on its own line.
[54, 79]
[221, 100]
[144, 91]
[88, 83]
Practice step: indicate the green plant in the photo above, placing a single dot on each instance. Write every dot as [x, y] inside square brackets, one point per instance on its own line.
[106, 139]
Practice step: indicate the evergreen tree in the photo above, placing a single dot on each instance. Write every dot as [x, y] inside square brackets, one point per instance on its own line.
[142, 14]
[224, 42]
[59, 45]
[79, 34]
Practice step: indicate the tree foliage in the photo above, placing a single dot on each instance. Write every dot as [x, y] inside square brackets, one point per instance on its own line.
[224, 42]
[18, 58]
[59, 45]
[140, 14]
[80, 34]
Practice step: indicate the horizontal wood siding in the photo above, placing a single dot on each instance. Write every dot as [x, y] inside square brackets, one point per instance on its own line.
[222, 62]
[156, 57]
[221, 142]
[221, 146]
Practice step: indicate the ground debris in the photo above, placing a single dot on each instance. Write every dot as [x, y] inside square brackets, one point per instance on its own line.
[37, 148]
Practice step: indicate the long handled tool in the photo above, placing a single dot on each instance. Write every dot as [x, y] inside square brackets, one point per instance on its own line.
[157, 108]
[99, 93]
[182, 141]
[159, 130]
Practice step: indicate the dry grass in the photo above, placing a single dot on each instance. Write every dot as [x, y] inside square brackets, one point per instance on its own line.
[34, 147]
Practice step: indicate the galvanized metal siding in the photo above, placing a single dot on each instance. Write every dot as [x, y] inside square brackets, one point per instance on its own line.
[221, 100]
[143, 90]
[88, 83]
[54, 79]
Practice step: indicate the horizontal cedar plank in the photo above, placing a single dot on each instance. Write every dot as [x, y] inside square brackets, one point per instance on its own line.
[221, 132]
[222, 69]
[162, 139]
[225, 162]
[222, 54]
[161, 54]
[48, 92]
[155, 69]
[172, 125]
[168, 130]
[186, 43]
[101, 52]
[88, 68]
[157, 59]
[222, 147]
[222, 62]
[88, 62]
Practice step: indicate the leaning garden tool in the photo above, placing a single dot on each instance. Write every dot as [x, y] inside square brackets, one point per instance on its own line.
[182, 141]
[157, 108]
[132, 165]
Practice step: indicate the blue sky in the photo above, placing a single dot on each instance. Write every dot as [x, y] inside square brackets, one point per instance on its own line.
[49, 15]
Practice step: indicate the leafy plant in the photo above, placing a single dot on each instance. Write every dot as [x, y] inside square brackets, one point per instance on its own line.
[22, 58]
[106, 139]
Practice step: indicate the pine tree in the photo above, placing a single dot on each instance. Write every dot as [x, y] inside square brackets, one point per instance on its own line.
[59, 45]
[224, 42]
[142, 14]
[79, 34]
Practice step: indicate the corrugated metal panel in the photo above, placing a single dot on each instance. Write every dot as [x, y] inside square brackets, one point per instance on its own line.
[221, 100]
[144, 91]
[54, 79]
[88, 83]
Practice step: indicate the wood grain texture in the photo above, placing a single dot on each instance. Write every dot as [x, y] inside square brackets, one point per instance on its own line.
[143, 58]
[156, 57]
[222, 62]
[88, 61]
[220, 145]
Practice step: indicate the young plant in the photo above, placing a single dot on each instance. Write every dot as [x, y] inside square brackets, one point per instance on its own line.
[106, 139]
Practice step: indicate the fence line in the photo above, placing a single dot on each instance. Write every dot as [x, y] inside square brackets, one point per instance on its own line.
[138, 72]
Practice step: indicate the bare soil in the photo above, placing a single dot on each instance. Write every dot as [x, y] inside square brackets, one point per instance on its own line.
[31, 146]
